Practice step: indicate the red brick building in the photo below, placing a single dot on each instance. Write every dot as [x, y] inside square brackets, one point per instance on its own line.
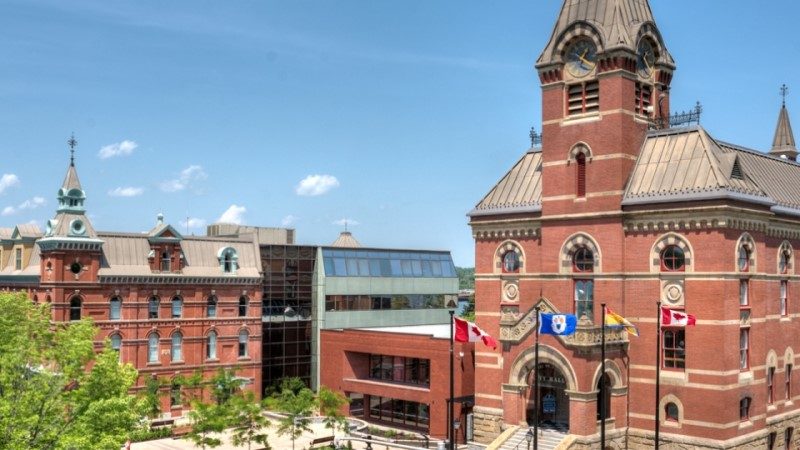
[170, 304]
[400, 376]
[616, 207]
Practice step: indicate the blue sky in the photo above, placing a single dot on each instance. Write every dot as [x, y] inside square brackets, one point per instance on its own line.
[395, 115]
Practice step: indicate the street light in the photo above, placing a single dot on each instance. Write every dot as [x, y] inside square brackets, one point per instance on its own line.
[529, 437]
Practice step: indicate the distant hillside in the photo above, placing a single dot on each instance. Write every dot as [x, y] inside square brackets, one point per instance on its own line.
[466, 277]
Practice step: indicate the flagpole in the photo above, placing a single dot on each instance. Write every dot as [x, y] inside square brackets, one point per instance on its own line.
[658, 370]
[602, 382]
[450, 431]
[536, 381]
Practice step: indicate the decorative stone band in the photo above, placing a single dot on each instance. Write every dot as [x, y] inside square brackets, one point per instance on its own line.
[125, 279]
[506, 229]
[516, 327]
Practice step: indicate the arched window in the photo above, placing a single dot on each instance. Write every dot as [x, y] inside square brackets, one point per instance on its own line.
[511, 262]
[770, 385]
[580, 175]
[243, 338]
[115, 310]
[152, 348]
[211, 345]
[75, 308]
[228, 260]
[152, 308]
[671, 412]
[744, 409]
[604, 397]
[743, 259]
[177, 346]
[785, 260]
[175, 394]
[243, 306]
[177, 307]
[673, 259]
[211, 307]
[116, 342]
[583, 260]
[165, 262]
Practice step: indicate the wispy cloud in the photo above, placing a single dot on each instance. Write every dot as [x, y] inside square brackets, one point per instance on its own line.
[123, 148]
[289, 220]
[33, 203]
[126, 192]
[193, 223]
[186, 179]
[234, 214]
[8, 180]
[314, 185]
[345, 222]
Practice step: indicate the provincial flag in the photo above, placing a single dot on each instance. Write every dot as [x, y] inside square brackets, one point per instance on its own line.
[671, 318]
[557, 324]
[615, 320]
[464, 331]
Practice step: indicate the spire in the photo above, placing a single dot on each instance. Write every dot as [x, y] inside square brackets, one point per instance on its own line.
[783, 144]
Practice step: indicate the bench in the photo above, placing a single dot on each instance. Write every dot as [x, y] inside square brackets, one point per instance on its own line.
[182, 430]
[317, 442]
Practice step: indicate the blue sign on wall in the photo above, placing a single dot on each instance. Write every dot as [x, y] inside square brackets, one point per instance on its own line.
[549, 404]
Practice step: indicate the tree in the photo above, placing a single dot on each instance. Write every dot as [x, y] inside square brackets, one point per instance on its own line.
[296, 403]
[55, 391]
[330, 404]
[248, 421]
[206, 418]
[149, 400]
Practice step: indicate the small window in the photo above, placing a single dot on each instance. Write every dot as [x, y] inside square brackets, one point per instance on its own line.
[743, 260]
[788, 382]
[511, 262]
[18, 259]
[771, 440]
[211, 307]
[175, 395]
[116, 342]
[674, 349]
[177, 307]
[152, 348]
[152, 308]
[744, 409]
[243, 306]
[243, 338]
[584, 299]
[583, 260]
[744, 348]
[673, 259]
[584, 98]
[785, 261]
[177, 346]
[644, 99]
[211, 345]
[787, 438]
[580, 175]
[671, 410]
[75, 308]
[115, 310]
[770, 385]
[165, 262]
[228, 259]
[784, 298]
[744, 293]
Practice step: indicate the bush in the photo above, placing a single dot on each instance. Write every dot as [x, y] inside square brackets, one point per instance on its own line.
[151, 434]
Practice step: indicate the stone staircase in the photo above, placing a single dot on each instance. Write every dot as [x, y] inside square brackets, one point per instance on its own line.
[549, 438]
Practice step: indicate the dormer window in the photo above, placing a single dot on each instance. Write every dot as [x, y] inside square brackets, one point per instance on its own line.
[228, 260]
[165, 262]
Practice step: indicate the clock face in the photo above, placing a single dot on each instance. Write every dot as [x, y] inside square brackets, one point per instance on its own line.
[646, 59]
[581, 58]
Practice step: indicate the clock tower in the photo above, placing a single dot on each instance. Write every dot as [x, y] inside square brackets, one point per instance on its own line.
[70, 250]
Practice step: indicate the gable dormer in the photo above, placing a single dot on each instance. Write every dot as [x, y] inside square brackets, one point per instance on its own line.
[166, 255]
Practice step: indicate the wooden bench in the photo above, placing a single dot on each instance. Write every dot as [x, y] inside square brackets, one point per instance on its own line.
[182, 430]
[317, 442]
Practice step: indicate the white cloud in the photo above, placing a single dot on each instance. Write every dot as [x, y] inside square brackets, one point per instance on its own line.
[8, 180]
[123, 148]
[233, 215]
[193, 222]
[346, 222]
[126, 192]
[289, 220]
[187, 176]
[33, 203]
[316, 185]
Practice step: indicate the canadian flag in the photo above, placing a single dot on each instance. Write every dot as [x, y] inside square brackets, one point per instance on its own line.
[670, 318]
[469, 332]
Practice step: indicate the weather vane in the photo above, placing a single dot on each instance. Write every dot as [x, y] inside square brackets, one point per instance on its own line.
[784, 92]
[72, 143]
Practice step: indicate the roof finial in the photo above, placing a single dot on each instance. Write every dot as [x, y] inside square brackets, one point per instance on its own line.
[345, 225]
[72, 144]
[784, 92]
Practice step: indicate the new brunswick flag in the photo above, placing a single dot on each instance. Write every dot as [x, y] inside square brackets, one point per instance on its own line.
[615, 320]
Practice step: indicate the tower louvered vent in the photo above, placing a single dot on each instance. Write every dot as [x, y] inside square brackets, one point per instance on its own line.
[736, 172]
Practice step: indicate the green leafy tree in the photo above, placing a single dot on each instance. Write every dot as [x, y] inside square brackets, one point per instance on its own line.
[55, 391]
[248, 421]
[206, 418]
[466, 277]
[297, 404]
[149, 400]
[330, 405]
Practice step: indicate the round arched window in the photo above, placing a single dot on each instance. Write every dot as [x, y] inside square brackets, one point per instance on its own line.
[583, 260]
[673, 259]
[671, 410]
[511, 262]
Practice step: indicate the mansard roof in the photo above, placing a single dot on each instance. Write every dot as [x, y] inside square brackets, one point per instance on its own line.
[617, 23]
[519, 191]
[686, 164]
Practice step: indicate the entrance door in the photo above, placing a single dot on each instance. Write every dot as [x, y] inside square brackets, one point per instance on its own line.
[553, 400]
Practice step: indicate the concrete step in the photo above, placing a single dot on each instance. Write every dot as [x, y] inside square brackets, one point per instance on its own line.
[548, 440]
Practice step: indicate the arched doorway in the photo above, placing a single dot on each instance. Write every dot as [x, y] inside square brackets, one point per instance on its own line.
[604, 397]
[553, 401]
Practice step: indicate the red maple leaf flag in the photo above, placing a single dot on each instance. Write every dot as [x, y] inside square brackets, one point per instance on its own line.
[469, 332]
[671, 318]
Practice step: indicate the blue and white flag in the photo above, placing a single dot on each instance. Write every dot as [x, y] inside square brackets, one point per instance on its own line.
[557, 324]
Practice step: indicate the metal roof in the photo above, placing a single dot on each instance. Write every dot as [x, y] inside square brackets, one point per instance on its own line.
[520, 189]
[783, 142]
[346, 240]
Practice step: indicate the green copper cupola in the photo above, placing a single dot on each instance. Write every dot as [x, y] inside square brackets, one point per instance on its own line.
[71, 195]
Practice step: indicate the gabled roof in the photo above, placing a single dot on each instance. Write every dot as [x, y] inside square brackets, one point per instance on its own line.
[520, 189]
[26, 231]
[618, 23]
[685, 164]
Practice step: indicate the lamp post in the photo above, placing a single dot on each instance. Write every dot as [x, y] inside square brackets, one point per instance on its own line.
[529, 437]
